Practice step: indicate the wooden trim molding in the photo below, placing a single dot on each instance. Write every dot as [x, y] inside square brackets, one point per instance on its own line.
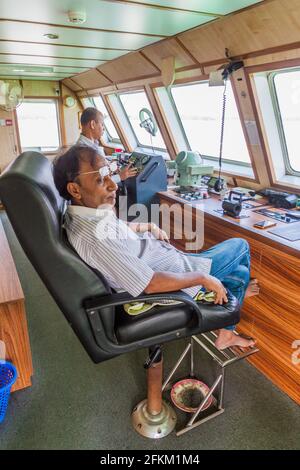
[188, 52]
[52, 57]
[75, 83]
[246, 136]
[45, 65]
[117, 123]
[17, 132]
[122, 82]
[165, 8]
[67, 45]
[262, 136]
[282, 64]
[159, 116]
[104, 76]
[149, 61]
[82, 28]
[61, 115]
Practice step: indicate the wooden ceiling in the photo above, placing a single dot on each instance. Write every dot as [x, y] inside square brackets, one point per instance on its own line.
[112, 28]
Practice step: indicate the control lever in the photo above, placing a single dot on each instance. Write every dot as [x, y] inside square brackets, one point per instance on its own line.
[149, 172]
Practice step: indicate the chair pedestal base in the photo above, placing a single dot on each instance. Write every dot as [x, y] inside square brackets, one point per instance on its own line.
[153, 417]
[153, 426]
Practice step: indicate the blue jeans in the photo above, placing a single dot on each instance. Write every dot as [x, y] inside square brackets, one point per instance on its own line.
[231, 265]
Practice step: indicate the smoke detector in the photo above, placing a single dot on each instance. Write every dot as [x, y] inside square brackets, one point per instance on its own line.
[77, 16]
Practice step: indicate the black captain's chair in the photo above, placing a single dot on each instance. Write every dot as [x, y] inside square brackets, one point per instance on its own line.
[95, 313]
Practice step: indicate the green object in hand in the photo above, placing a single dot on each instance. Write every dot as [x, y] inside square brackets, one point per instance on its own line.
[135, 308]
[204, 295]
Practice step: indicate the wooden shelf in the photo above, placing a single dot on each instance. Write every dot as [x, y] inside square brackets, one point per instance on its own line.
[13, 323]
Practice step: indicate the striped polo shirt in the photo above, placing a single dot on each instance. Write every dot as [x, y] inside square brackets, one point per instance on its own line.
[126, 259]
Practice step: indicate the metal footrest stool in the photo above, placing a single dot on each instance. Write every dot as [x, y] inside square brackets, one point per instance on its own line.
[216, 392]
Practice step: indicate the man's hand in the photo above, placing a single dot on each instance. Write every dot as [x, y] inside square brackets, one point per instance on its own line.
[149, 227]
[211, 283]
[127, 172]
[158, 233]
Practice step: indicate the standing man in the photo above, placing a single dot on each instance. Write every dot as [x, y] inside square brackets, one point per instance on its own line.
[92, 129]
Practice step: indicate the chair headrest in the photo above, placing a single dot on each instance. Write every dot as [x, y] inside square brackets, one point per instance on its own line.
[37, 170]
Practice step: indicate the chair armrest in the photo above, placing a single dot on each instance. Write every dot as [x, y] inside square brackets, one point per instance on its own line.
[122, 298]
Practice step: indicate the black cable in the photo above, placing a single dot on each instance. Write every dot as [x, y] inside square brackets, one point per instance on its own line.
[222, 129]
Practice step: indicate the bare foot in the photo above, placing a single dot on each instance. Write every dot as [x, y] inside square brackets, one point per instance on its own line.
[228, 338]
[253, 288]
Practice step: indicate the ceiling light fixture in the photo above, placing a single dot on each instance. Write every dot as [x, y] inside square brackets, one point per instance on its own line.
[77, 16]
[51, 36]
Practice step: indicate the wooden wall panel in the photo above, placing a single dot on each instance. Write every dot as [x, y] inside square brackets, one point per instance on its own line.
[71, 84]
[13, 323]
[168, 48]
[128, 67]
[36, 88]
[91, 79]
[275, 57]
[71, 118]
[270, 25]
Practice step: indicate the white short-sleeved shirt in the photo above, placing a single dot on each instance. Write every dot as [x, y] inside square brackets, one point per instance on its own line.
[126, 259]
[85, 141]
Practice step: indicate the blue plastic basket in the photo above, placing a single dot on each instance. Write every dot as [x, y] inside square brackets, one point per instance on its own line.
[8, 376]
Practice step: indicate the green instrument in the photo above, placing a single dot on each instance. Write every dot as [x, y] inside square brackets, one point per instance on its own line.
[190, 169]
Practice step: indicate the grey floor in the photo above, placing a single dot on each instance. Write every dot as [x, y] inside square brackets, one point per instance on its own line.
[75, 404]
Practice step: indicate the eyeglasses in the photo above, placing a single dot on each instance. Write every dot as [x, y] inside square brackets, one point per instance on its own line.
[107, 170]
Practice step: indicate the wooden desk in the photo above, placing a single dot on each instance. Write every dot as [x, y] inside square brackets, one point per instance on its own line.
[13, 324]
[273, 317]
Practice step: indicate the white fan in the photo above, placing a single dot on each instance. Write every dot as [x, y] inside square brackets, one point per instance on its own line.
[11, 95]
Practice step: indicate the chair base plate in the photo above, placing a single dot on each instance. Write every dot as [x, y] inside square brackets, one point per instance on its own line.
[153, 426]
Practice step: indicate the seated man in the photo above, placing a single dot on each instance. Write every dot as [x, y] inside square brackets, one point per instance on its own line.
[141, 264]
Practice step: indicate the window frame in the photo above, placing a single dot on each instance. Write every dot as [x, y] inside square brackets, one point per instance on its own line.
[139, 144]
[111, 140]
[278, 118]
[236, 163]
[45, 99]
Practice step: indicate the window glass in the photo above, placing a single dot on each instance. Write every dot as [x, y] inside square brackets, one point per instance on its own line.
[287, 86]
[133, 103]
[87, 102]
[38, 125]
[200, 109]
[109, 125]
